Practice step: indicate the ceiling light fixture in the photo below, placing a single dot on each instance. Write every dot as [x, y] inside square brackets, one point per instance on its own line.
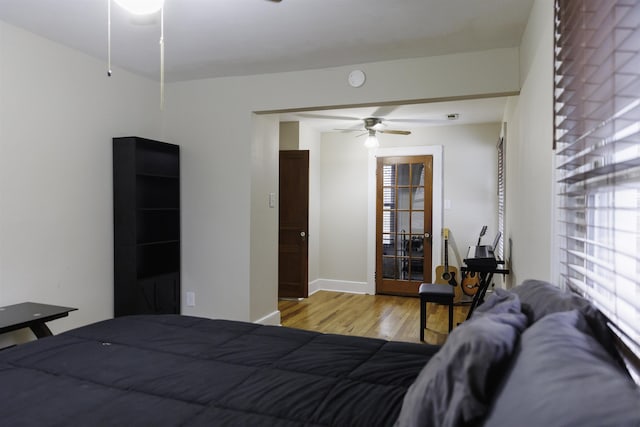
[372, 140]
[140, 7]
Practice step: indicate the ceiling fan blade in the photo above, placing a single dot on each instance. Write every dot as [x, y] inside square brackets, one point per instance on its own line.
[359, 129]
[395, 132]
[384, 110]
[444, 119]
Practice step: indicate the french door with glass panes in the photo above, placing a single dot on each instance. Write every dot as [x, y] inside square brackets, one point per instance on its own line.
[403, 223]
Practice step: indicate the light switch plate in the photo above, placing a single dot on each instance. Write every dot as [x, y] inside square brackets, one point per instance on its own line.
[191, 299]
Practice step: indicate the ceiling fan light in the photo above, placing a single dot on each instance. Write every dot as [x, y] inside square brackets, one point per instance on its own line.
[371, 141]
[141, 7]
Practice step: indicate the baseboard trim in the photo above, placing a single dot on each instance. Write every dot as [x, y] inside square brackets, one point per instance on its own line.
[337, 286]
[270, 319]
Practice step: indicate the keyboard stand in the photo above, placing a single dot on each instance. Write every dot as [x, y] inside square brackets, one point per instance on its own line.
[485, 276]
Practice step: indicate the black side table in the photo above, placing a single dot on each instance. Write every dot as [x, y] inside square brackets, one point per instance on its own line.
[31, 315]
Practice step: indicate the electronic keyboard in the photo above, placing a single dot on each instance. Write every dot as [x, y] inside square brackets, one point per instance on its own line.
[481, 256]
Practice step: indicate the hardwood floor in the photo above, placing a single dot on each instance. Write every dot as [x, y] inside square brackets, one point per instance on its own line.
[376, 316]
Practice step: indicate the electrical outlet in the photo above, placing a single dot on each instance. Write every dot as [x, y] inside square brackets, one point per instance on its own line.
[191, 299]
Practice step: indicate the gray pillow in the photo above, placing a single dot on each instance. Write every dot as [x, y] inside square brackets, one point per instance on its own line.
[561, 376]
[500, 301]
[456, 385]
[539, 298]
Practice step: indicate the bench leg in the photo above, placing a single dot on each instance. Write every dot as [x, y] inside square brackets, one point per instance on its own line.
[423, 317]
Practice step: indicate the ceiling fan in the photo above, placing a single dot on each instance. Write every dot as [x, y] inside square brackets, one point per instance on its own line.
[375, 122]
[373, 125]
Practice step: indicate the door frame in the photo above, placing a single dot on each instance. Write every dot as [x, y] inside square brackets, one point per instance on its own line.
[437, 203]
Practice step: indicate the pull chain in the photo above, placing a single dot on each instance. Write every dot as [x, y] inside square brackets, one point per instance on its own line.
[109, 38]
[162, 58]
[161, 49]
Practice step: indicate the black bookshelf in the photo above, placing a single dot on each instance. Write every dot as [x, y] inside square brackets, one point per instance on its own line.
[146, 212]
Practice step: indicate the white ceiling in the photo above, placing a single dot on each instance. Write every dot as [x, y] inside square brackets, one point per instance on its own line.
[214, 38]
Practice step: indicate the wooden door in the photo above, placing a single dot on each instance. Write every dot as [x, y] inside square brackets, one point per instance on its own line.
[403, 223]
[293, 224]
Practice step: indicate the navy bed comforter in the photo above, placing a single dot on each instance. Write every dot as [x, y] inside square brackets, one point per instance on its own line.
[180, 370]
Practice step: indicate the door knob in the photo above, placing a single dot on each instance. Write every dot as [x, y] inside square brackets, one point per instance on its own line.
[427, 235]
[303, 235]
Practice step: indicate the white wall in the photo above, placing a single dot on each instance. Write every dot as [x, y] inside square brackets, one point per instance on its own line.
[289, 135]
[264, 220]
[58, 113]
[212, 120]
[343, 213]
[469, 183]
[215, 135]
[470, 170]
[529, 171]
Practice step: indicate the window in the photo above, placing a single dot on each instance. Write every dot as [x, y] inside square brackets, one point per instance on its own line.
[597, 142]
[499, 251]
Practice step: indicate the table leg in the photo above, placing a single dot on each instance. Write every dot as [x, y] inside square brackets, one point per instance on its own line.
[40, 330]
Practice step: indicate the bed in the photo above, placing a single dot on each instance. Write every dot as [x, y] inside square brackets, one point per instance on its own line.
[532, 356]
[181, 370]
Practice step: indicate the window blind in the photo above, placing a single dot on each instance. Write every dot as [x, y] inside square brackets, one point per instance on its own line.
[501, 198]
[389, 203]
[597, 142]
